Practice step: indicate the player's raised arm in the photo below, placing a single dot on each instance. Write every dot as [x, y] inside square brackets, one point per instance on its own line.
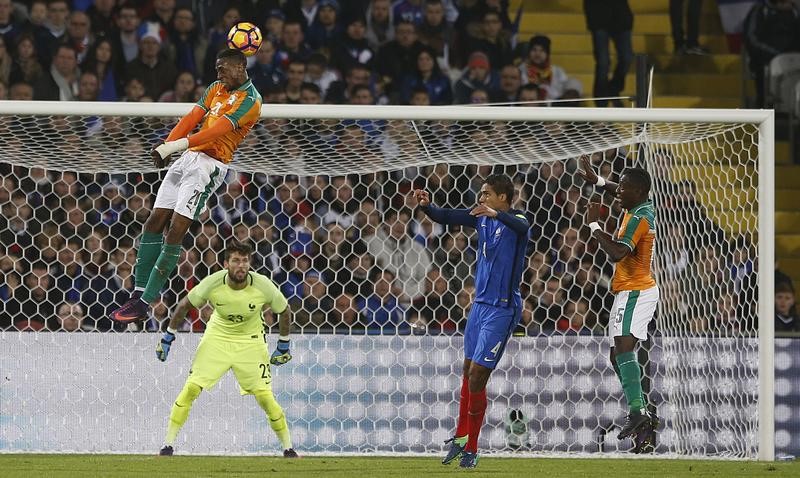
[457, 217]
[587, 173]
[615, 250]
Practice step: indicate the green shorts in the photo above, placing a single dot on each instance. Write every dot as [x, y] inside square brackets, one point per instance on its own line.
[249, 361]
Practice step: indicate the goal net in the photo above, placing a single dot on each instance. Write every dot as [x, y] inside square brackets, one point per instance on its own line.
[380, 294]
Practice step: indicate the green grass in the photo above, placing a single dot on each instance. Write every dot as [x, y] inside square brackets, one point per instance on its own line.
[89, 466]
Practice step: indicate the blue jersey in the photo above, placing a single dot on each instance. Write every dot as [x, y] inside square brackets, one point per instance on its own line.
[502, 243]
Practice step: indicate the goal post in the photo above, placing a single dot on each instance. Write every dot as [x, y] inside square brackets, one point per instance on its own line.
[395, 390]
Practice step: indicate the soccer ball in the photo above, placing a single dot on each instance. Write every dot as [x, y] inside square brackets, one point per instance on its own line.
[245, 37]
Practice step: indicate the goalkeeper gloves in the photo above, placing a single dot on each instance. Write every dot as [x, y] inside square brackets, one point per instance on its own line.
[281, 354]
[162, 349]
[163, 151]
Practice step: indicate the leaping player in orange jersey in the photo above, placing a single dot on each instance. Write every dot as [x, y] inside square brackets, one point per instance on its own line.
[635, 290]
[228, 109]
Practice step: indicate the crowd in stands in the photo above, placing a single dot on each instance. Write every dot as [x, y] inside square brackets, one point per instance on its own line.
[352, 255]
[164, 50]
[348, 251]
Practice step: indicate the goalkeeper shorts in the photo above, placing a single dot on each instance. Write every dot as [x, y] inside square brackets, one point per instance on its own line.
[189, 182]
[248, 360]
[632, 312]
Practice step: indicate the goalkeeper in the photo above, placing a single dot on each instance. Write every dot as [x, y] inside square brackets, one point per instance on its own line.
[234, 339]
[228, 110]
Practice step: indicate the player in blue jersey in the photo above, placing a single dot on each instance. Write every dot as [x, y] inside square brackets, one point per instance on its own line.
[503, 235]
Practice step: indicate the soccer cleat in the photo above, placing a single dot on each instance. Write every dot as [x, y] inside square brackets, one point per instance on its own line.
[457, 445]
[290, 453]
[633, 423]
[645, 440]
[166, 451]
[135, 310]
[469, 460]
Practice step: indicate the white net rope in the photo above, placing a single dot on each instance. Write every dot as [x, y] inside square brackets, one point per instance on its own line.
[379, 293]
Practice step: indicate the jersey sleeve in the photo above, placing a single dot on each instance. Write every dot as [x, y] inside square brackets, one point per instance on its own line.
[205, 100]
[273, 296]
[199, 293]
[246, 110]
[636, 228]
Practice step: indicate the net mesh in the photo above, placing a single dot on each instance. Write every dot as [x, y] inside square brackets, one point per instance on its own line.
[326, 205]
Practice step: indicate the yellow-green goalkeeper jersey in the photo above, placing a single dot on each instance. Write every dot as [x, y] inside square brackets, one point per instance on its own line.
[237, 314]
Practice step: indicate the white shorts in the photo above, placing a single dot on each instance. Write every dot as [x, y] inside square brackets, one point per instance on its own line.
[632, 312]
[189, 182]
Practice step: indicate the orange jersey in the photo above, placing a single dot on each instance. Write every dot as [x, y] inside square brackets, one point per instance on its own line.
[242, 107]
[637, 231]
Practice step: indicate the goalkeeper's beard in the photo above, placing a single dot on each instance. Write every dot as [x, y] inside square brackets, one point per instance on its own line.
[239, 277]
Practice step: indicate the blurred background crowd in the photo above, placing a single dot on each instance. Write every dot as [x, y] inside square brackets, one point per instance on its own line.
[350, 252]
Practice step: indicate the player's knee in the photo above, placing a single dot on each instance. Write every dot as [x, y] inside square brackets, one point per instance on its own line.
[268, 403]
[189, 393]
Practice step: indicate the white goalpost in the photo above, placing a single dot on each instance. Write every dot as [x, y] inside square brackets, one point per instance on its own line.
[317, 188]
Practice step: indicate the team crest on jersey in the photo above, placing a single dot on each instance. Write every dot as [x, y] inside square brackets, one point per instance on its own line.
[498, 232]
[252, 307]
[232, 100]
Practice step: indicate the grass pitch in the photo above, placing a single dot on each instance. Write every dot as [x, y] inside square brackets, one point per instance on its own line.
[86, 466]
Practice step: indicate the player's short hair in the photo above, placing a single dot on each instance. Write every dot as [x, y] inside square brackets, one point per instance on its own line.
[784, 287]
[235, 56]
[501, 184]
[236, 247]
[312, 88]
[640, 178]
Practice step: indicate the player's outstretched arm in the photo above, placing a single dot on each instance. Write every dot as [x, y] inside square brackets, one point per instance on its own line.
[516, 222]
[162, 349]
[587, 173]
[176, 141]
[456, 217]
[615, 250]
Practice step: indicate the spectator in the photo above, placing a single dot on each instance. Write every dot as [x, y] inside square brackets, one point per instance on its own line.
[786, 319]
[344, 315]
[380, 24]
[538, 70]
[295, 74]
[187, 45]
[311, 309]
[28, 68]
[53, 31]
[302, 12]
[510, 82]
[438, 34]
[428, 75]
[339, 91]
[163, 13]
[395, 251]
[70, 317]
[9, 26]
[34, 301]
[101, 17]
[293, 46]
[437, 305]
[477, 75]
[318, 73]
[125, 39]
[88, 86]
[493, 41]
[156, 74]
[100, 60]
[61, 82]
[325, 29]
[183, 91]
[265, 73]
[274, 24]
[353, 47]
[610, 20]
[79, 33]
[381, 310]
[772, 27]
[688, 43]
[398, 57]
